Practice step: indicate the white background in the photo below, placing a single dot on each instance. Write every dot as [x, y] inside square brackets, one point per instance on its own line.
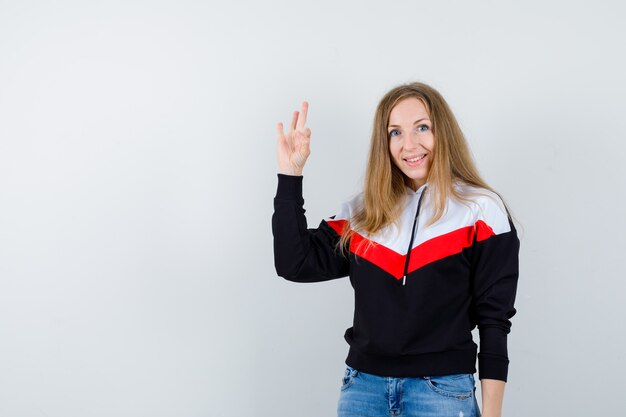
[137, 171]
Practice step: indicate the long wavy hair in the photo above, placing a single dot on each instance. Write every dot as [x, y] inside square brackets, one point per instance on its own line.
[385, 184]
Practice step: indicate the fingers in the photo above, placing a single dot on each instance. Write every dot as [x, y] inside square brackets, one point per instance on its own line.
[284, 141]
[303, 137]
[302, 118]
[304, 145]
[294, 120]
[298, 133]
[281, 135]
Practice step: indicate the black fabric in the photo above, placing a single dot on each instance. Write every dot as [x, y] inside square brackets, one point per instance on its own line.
[422, 328]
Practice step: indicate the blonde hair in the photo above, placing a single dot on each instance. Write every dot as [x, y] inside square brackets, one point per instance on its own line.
[385, 184]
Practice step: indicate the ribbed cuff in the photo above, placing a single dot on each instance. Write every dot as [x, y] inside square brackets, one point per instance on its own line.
[289, 187]
[493, 358]
[490, 367]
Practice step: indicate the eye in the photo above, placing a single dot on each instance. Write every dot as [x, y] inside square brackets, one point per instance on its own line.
[393, 133]
[423, 128]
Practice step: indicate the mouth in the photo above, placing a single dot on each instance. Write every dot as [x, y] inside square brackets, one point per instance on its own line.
[415, 160]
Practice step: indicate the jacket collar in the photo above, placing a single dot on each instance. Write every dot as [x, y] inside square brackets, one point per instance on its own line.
[409, 190]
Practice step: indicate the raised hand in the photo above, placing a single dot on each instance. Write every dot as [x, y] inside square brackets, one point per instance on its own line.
[294, 147]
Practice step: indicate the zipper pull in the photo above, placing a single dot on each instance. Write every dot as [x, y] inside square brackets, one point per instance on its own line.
[404, 280]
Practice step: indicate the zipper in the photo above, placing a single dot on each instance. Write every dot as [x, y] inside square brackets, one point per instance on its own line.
[413, 232]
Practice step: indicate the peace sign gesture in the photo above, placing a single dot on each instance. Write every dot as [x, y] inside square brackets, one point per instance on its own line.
[293, 148]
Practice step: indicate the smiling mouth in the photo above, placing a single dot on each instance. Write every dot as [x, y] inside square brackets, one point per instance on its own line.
[417, 158]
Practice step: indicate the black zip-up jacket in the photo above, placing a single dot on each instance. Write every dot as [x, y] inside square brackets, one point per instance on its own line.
[419, 290]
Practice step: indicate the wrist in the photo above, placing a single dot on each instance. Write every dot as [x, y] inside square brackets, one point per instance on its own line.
[291, 171]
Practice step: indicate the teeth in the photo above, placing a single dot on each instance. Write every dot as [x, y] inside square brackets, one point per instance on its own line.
[416, 159]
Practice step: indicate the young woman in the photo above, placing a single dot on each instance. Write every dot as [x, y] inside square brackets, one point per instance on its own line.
[431, 253]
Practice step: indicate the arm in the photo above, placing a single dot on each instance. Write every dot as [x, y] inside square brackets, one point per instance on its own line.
[300, 254]
[492, 395]
[495, 270]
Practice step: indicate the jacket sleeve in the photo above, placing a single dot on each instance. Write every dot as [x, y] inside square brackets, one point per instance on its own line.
[495, 270]
[302, 254]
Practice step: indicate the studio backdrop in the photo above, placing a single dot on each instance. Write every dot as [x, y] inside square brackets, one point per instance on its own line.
[138, 169]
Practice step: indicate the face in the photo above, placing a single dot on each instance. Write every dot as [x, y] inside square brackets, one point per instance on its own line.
[411, 140]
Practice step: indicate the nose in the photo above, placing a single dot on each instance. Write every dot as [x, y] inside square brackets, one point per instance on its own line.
[411, 140]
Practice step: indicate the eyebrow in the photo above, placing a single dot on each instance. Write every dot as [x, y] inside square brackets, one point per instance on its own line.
[416, 122]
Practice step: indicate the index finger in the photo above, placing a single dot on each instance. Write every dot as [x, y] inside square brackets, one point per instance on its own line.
[302, 119]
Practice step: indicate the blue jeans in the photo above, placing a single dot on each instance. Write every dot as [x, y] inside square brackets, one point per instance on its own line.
[367, 395]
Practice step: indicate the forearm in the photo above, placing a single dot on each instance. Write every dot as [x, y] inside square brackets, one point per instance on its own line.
[492, 396]
[302, 254]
